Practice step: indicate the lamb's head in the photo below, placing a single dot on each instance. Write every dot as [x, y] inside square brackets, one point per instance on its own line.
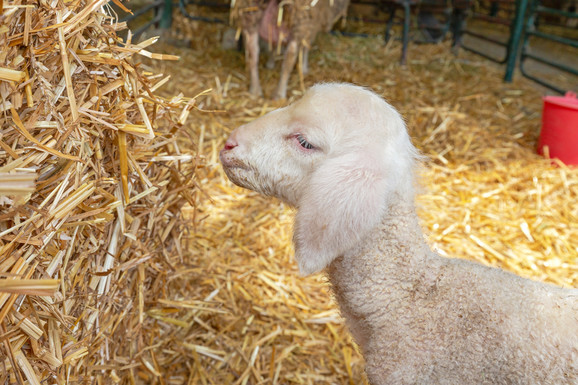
[340, 155]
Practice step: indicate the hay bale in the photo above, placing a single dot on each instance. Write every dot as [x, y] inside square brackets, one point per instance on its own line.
[92, 183]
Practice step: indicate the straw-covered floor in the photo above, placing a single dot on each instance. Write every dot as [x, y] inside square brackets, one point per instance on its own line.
[486, 196]
[228, 307]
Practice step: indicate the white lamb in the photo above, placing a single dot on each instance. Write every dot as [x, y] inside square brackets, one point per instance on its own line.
[342, 156]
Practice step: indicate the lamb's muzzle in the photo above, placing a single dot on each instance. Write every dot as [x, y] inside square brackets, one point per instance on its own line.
[342, 156]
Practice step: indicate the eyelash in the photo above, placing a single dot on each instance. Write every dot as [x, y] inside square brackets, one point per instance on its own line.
[304, 143]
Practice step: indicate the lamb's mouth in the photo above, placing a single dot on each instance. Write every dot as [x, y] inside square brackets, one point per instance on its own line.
[234, 165]
[231, 162]
[239, 174]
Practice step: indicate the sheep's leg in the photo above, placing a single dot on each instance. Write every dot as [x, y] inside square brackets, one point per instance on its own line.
[271, 59]
[289, 60]
[305, 61]
[252, 60]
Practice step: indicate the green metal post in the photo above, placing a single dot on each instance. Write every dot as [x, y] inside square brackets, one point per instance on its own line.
[167, 17]
[515, 37]
[405, 33]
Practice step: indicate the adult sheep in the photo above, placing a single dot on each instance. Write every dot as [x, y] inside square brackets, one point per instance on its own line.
[342, 156]
[297, 26]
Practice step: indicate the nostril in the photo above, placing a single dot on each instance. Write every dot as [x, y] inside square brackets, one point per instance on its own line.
[230, 144]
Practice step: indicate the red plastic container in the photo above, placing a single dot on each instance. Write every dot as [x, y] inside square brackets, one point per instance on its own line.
[560, 128]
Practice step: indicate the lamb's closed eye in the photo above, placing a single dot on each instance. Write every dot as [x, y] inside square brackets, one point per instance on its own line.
[418, 318]
[303, 142]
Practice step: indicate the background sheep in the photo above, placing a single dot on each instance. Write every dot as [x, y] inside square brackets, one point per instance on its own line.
[342, 156]
[302, 21]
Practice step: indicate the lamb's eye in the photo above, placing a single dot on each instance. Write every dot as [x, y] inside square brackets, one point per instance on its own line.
[304, 143]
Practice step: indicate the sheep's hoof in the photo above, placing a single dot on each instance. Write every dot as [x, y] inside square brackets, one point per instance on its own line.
[256, 92]
[279, 95]
[278, 98]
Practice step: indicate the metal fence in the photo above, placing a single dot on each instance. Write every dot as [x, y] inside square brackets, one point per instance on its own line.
[524, 20]
[530, 23]
[157, 13]
[534, 30]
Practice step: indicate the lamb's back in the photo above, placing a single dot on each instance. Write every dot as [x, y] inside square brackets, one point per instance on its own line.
[478, 325]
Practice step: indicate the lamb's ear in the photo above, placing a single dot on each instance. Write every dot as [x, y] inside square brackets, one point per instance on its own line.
[345, 199]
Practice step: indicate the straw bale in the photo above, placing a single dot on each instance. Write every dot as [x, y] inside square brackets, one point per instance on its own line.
[486, 195]
[92, 183]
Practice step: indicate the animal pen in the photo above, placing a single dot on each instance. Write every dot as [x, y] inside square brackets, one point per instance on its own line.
[127, 257]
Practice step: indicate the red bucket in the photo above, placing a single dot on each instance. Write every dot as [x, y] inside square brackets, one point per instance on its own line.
[560, 128]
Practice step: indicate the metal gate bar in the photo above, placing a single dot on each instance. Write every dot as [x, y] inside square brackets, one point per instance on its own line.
[531, 30]
[162, 16]
[492, 18]
[182, 6]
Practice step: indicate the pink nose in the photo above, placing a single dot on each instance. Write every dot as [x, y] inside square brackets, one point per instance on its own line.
[230, 144]
[225, 156]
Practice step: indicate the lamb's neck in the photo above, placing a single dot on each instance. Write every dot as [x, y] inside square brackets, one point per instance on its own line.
[393, 261]
[395, 247]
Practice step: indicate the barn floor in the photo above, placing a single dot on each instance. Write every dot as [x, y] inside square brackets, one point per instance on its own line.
[486, 197]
